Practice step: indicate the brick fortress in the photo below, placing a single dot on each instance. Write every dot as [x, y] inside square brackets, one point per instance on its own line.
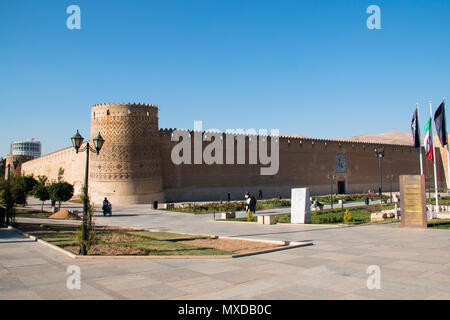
[135, 166]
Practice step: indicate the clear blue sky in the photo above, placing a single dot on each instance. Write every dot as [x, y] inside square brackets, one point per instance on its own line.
[305, 67]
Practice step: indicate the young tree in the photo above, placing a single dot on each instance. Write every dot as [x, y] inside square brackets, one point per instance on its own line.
[28, 182]
[40, 191]
[2, 168]
[7, 199]
[60, 191]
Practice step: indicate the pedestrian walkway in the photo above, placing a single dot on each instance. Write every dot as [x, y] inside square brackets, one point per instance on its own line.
[414, 264]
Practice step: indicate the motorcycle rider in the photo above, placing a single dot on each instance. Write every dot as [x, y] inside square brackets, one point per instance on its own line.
[106, 207]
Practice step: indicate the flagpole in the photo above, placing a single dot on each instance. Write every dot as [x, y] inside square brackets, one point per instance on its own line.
[434, 164]
[420, 142]
[448, 153]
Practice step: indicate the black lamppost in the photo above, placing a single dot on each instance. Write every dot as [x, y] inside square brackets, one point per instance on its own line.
[15, 164]
[331, 177]
[379, 153]
[77, 141]
[391, 179]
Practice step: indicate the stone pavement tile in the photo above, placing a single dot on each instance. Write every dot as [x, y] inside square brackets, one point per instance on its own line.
[372, 260]
[11, 282]
[101, 270]
[141, 266]
[436, 276]
[308, 292]
[327, 247]
[307, 262]
[352, 296]
[155, 292]
[279, 256]
[88, 292]
[333, 256]
[20, 294]
[61, 292]
[173, 275]
[439, 295]
[54, 291]
[395, 254]
[275, 295]
[241, 276]
[278, 268]
[318, 270]
[348, 285]
[177, 263]
[436, 258]
[245, 289]
[355, 250]
[34, 278]
[346, 268]
[125, 281]
[213, 268]
[200, 286]
[431, 282]
[323, 281]
[21, 262]
[390, 289]
[304, 251]
[3, 272]
[414, 266]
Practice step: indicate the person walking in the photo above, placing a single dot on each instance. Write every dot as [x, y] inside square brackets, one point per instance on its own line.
[251, 206]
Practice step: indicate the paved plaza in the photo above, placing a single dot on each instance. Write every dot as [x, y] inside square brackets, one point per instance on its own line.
[414, 263]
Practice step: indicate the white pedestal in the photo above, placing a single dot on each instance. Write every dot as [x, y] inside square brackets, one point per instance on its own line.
[300, 207]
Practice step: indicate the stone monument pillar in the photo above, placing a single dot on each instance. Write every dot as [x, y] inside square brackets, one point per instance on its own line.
[300, 206]
[412, 201]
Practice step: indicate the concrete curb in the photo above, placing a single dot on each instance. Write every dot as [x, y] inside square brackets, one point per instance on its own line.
[45, 243]
[284, 245]
[285, 224]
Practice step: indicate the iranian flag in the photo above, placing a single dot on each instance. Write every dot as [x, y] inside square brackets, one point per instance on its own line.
[428, 142]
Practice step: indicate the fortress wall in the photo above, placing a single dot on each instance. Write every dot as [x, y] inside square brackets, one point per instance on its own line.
[128, 169]
[135, 165]
[48, 165]
[303, 162]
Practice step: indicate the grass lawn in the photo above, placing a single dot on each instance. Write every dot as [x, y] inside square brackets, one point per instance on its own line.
[443, 201]
[121, 241]
[360, 215]
[439, 224]
[265, 204]
[231, 206]
[26, 213]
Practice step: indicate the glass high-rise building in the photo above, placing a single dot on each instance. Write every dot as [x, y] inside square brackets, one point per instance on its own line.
[26, 148]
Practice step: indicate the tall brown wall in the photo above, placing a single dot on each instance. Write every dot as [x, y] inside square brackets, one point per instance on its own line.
[303, 162]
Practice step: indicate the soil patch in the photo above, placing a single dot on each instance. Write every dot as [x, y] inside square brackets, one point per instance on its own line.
[233, 245]
[65, 214]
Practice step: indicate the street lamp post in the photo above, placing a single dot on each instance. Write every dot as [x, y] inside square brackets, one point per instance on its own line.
[77, 141]
[8, 207]
[331, 177]
[391, 179]
[379, 153]
[15, 164]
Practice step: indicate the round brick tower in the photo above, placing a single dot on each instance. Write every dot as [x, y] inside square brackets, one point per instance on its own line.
[128, 169]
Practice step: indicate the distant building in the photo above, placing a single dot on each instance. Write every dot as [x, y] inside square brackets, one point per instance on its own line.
[26, 148]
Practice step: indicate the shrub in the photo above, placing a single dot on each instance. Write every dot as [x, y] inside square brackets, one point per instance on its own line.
[348, 218]
[249, 216]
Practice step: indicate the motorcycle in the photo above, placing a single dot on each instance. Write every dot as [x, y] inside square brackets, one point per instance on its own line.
[107, 210]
